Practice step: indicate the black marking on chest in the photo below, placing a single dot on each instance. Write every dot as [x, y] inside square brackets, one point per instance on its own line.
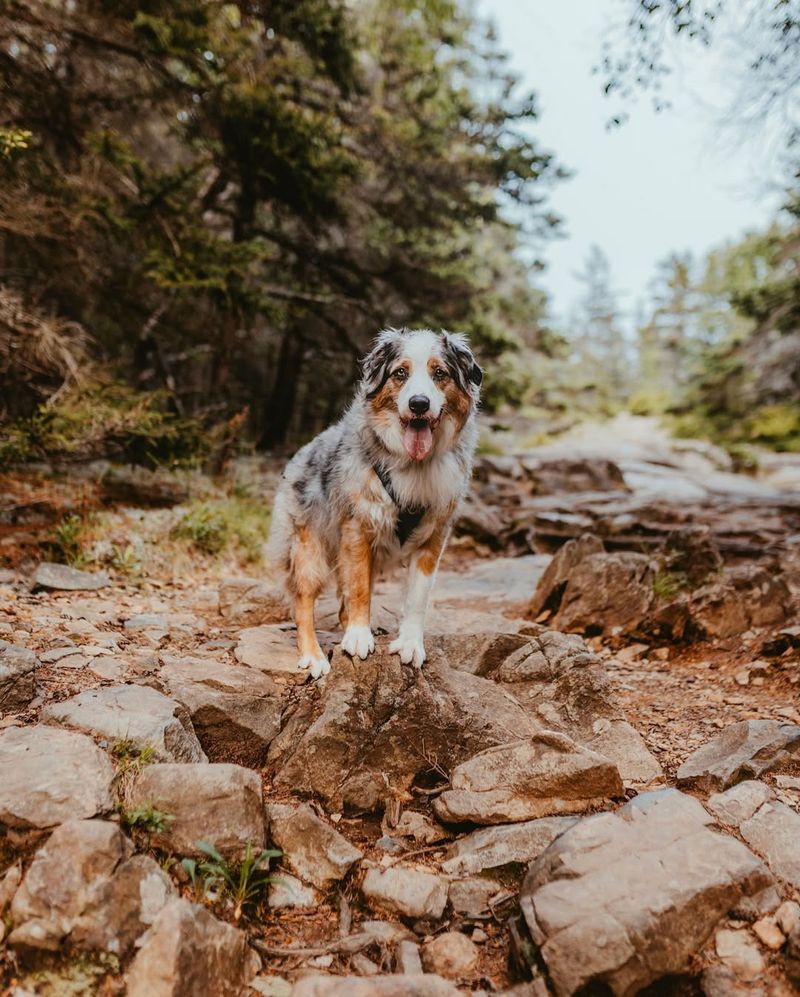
[408, 516]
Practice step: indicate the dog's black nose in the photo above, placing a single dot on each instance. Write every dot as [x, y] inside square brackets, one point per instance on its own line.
[419, 404]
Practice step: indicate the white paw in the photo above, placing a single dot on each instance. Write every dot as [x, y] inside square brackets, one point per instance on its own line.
[410, 647]
[316, 665]
[358, 641]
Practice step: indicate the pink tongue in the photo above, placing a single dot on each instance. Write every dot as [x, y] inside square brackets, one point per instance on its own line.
[418, 442]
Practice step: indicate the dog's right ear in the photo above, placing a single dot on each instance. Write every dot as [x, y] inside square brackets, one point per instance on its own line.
[377, 364]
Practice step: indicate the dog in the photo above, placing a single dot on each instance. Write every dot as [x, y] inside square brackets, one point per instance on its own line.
[380, 486]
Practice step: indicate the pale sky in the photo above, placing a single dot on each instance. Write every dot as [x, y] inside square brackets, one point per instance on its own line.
[671, 181]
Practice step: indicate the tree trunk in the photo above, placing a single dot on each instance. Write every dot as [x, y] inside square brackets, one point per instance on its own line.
[280, 405]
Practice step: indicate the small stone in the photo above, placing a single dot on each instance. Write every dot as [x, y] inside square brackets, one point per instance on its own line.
[271, 986]
[399, 985]
[420, 828]
[60, 577]
[288, 891]
[492, 847]
[408, 959]
[739, 952]
[9, 883]
[774, 831]
[17, 677]
[720, 981]
[451, 955]
[405, 891]
[769, 933]
[217, 803]
[313, 849]
[363, 965]
[479, 936]
[147, 621]
[470, 897]
[787, 917]
[739, 802]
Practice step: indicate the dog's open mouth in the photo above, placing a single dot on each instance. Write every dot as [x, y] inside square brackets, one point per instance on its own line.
[418, 437]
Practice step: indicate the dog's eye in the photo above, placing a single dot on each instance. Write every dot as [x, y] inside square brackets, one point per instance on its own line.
[440, 374]
[400, 374]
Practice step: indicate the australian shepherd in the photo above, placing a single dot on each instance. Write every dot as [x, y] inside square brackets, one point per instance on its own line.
[379, 486]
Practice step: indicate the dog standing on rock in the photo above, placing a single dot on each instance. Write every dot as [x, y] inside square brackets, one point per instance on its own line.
[380, 486]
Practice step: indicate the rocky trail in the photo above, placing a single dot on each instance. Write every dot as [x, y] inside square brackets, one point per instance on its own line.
[593, 786]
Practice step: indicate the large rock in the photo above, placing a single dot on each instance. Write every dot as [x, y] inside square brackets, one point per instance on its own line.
[60, 577]
[492, 847]
[218, 803]
[774, 832]
[17, 677]
[235, 710]
[550, 477]
[64, 876]
[269, 648]
[744, 750]
[607, 593]
[544, 775]
[48, 776]
[249, 602]
[131, 712]
[739, 802]
[377, 725]
[189, 953]
[621, 900]
[313, 849]
[744, 596]
[406, 891]
[550, 590]
[83, 886]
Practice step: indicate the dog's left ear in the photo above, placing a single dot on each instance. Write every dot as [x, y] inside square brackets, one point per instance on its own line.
[461, 356]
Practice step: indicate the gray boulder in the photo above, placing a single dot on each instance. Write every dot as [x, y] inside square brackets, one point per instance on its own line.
[218, 803]
[493, 847]
[48, 776]
[621, 900]
[774, 832]
[744, 750]
[544, 775]
[131, 712]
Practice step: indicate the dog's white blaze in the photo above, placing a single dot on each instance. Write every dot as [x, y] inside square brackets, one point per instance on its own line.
[420, 347]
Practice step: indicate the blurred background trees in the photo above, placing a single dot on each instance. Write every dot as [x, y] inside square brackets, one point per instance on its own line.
[208, 209]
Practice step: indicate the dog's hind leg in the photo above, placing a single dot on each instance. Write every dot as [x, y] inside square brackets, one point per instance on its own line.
[307, 576]
[355, 575]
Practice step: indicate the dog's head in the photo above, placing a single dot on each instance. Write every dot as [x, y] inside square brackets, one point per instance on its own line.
[420, 388]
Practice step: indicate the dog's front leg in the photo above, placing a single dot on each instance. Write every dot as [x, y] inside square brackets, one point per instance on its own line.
[421, 573]
[355, 576]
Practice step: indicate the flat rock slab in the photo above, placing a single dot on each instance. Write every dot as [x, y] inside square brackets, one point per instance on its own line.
[544, 775]
[744, 750]
[189, 953]
[774, 832]
[405, 891]
[312, 848]
[17, 676]
[217, 803]
[376, 725]
[235, 710]
[620, 900]
[85, 886]
[269, 648]
[493, 847]
[48, 776]
[131, 712]
[398, 985]
[60, 577]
